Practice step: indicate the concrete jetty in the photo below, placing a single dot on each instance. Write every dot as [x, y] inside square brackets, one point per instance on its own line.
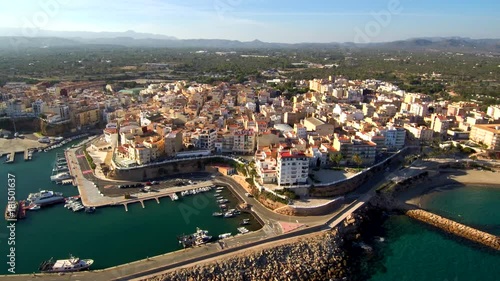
[456, 228]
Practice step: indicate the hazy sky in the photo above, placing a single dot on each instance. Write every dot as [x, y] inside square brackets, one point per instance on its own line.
[266, 20]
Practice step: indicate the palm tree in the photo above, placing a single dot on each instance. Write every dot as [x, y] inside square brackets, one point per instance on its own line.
[357, 159]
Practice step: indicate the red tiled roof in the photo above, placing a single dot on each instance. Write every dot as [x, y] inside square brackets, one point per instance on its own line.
[287, 154]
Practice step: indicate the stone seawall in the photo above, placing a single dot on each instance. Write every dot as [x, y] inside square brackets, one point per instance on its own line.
[310, 211]
[188, 166]
[318, 256]
[456, 228]
[350, 184]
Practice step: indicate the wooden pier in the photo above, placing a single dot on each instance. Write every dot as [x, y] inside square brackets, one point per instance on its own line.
[26, 155]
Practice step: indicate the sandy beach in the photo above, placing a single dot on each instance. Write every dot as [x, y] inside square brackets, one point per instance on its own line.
[447, 180]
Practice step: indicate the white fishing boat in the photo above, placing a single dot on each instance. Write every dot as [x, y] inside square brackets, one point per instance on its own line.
[225, 235]
[175, 197]
[243, 230]
[69, 265]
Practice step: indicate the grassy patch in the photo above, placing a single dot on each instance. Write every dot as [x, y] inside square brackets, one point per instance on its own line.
[89, 159]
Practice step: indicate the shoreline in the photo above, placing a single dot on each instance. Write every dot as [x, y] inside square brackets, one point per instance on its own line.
[452, 179]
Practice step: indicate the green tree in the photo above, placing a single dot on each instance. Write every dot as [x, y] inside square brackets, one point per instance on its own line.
[336, 158]
[357, 159]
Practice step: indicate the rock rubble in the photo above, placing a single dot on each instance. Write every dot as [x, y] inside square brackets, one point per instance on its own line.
[318, 257]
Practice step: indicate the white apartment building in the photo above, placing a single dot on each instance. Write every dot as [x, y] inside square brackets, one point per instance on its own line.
[494, 112]
[206, 139]
[38, 107]
[292, 168]
[15, 107]
[419, 109]
[244, 141]
[394, 137]
[266, 170]
[487, 134]
[419, 132]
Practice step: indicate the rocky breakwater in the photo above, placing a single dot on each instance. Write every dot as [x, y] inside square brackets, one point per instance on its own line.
[314, 258]
[456, 228]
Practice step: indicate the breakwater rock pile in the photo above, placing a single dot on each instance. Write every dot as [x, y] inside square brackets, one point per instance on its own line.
[456, 228]
[318, 257]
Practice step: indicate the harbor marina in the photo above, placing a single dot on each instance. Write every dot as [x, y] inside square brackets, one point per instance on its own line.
[111, 220]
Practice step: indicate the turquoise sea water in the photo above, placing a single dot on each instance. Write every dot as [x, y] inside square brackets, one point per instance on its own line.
[414, 251]
[110, 236]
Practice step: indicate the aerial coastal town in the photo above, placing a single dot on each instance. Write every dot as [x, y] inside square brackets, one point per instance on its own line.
[336, 121]
[317, 156]
[228, 140]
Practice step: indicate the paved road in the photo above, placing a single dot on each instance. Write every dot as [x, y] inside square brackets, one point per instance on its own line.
[190, 256]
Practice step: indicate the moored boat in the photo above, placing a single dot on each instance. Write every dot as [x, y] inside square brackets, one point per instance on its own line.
[228, 214]
[45, 197]
[60, 176]
[34, 207]
[175, 197]
[77, 207]
[243, 230]
[68, 265]
[225, 235]
[198, 238]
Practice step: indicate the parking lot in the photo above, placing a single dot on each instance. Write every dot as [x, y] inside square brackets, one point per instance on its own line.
[154, 185]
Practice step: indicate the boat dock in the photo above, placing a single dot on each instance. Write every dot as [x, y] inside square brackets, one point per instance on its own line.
[22, 210]
[26, 155]
[69, 181]
[60, 170]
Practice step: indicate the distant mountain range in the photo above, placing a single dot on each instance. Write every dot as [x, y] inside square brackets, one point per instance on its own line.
[46, 39]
